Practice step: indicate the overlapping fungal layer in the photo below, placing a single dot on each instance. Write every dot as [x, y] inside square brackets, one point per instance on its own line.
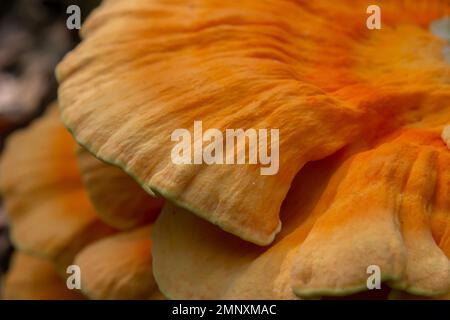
[387, 206]
[118, 200]
[310, 68]
[54, 225]
[33, 278]
[47, 206]
[119, 267]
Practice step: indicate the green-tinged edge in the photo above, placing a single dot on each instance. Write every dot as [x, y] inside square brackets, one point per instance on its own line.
[156, 191]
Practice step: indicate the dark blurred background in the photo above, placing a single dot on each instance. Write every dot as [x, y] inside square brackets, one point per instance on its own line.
[33, 39]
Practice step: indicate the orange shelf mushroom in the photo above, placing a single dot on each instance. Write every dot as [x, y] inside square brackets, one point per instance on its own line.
[364, 144]
[387, 206]
[311, 69]
[119, 267]
[54, 225]
[363, 173]
[118, 200]
[47, 206]
[33, 278]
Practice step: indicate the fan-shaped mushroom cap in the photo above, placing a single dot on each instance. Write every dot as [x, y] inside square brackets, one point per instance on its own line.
[51, 216]
[387, 206]
[119, 267]
[47, 206]
[391, 210]
[32, 278]
[230, 267]
[309, 68]
[118, 199]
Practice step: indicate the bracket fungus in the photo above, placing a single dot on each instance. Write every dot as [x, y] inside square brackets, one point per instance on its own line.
[363, 172]
[54, 224]
[387, 206]
[119, 267]
[137, 77]
[33, 278]
[118, 200]
[47, 206]
[363, 175]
